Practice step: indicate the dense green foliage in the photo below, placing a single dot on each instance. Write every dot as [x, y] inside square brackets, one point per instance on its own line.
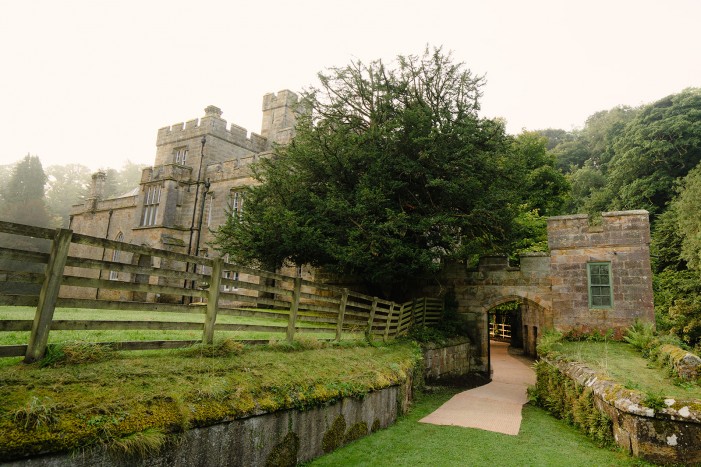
[390, 172]
[647, 158]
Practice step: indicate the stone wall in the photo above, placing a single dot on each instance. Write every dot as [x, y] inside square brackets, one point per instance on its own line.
[451, 361]
[256, 441]
[669, 435]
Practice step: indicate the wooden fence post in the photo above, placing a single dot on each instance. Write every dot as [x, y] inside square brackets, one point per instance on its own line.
[371, 320]
[341, 313]
[413, 313]
[423, 323]
[389, 320]
[294, 307]
[212, 301]
[48, 295]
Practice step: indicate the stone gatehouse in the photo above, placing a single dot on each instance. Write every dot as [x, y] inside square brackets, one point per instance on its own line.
[595, 277]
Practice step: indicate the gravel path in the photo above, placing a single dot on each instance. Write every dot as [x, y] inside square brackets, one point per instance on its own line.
[495, 406]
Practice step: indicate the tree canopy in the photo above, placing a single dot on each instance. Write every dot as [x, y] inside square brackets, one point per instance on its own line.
[390, 172]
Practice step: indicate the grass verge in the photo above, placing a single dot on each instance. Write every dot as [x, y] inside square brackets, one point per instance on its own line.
[543, 441]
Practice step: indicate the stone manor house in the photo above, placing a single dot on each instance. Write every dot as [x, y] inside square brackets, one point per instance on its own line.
[197, 178]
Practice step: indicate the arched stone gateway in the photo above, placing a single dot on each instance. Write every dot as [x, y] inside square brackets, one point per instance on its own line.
[595, 277]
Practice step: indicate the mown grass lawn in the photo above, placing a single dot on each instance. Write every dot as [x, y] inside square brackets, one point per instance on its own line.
[542, 441]
[197, 316]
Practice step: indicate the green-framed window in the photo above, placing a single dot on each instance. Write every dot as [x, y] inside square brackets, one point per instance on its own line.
[600, 287]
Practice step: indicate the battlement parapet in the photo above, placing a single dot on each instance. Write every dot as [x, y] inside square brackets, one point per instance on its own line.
[284, 98]
[211, 123]
[124, 202]
[530, 263]
[175, 172]
[617, 228]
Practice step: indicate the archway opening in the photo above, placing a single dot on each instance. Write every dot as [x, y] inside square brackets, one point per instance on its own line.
[514, 324]
[505, 323]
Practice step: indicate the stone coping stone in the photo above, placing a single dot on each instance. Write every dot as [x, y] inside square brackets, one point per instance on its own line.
[450, 342]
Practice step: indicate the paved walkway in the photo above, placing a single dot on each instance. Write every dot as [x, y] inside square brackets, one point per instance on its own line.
[495, 406]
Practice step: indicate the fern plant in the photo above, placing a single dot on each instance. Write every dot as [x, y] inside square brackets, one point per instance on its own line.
[641, 336]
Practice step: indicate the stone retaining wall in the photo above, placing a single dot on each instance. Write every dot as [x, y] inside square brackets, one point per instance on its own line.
[447, 362]
[669, 435]
[277, 439]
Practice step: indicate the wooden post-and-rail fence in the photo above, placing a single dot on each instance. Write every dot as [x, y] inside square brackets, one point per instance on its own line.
[50, 269]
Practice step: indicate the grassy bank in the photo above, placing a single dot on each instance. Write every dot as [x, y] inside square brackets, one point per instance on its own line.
[132, 401]
[542, 441]
[623, 363]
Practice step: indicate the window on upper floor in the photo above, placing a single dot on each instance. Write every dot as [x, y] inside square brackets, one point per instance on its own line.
[180, 155]
[236, 203]
[151, 200]
[600, 287]
[210, 205]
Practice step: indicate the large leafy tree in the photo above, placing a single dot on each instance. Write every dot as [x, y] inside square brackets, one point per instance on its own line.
[391, 171]
[543, 191]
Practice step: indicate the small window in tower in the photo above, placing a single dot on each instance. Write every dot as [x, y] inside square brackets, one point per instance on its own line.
[209, 211]
[180, 155]
[236, 203]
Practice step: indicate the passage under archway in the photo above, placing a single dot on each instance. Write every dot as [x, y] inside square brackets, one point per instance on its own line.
[518, 321]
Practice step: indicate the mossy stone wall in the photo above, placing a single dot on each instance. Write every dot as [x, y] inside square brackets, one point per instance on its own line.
[669, 435]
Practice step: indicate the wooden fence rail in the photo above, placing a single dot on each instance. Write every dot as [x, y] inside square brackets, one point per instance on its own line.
[49, 269]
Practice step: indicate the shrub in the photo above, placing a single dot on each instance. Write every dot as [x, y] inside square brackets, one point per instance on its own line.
[641, 336]
[569, 401]
[549, 342]
[426, 334]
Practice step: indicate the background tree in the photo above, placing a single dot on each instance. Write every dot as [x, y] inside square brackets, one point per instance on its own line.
[119, 182]
[542, 188]
[391, 172]
[23, 196]
[66, 185]
[661, 144]
[687, 205]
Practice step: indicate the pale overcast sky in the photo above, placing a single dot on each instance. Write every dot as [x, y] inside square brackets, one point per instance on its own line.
[90, 82]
